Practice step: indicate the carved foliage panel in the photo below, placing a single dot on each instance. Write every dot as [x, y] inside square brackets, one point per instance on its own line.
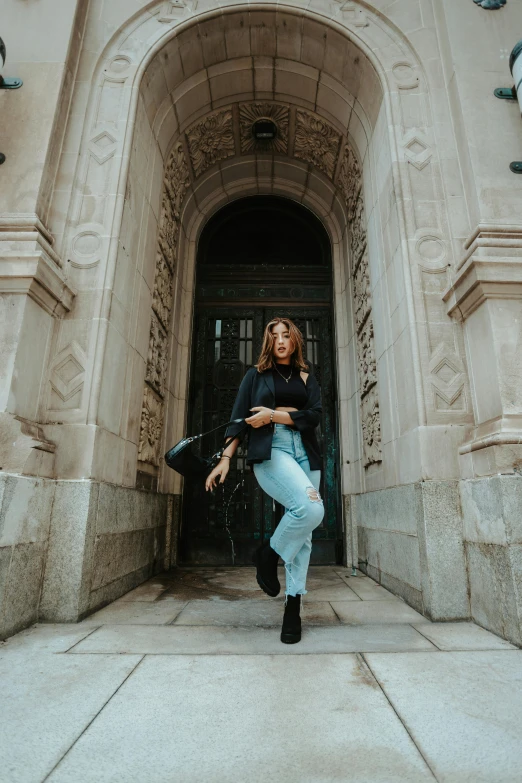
[157, 357]
[176, 183]
[150, 428]
[349, 180]
[362, 293]
[350, 184]
[211, 140]
[316, 142]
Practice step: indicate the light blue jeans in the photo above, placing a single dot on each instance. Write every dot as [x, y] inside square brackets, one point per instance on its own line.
[287, 478]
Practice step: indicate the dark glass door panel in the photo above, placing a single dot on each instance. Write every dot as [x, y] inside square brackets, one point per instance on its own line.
[224, 527]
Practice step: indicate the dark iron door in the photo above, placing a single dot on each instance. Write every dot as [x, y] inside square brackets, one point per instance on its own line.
[224, 527]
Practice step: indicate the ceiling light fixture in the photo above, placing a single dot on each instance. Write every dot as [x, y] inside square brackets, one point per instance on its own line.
[264, 129]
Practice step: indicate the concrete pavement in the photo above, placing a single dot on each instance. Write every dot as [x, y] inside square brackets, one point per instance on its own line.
[185, 679]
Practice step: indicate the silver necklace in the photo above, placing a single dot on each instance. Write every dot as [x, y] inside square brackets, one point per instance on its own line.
[282, 376]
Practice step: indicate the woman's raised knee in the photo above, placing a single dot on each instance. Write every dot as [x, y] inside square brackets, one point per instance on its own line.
[315, 507]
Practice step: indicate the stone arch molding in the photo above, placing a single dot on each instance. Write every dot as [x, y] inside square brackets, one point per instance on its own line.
[312, 141]
[413, 191]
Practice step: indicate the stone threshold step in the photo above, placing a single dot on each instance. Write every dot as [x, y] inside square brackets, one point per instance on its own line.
[223, 640]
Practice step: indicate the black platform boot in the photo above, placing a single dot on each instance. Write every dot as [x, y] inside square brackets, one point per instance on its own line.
[291, 630]
[266, 559]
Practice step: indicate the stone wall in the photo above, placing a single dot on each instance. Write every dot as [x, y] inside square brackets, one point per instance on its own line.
[452, 550]
[69, 547]
[104, 540]
[492, 519]
[412, 539]
[25, 518]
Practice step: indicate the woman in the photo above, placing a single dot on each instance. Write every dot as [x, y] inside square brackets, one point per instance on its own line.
[282, 447]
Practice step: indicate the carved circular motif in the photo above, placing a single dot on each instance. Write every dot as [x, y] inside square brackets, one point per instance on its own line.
[431, 249]
[405, 76]
[86, 244]
[297, 292]
[118, 64]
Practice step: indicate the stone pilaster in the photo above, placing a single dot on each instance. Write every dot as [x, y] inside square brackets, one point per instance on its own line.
[33, 293]
[486, 296]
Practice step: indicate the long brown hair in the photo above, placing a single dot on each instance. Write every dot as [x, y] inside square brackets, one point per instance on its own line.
[266, 358]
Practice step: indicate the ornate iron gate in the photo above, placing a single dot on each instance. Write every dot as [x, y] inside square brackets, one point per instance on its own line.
[224, 527]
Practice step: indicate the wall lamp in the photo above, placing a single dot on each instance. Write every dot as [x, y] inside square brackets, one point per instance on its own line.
[514, 93]
[7, 82]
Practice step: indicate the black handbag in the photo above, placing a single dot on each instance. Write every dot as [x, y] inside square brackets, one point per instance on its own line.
[181, 459]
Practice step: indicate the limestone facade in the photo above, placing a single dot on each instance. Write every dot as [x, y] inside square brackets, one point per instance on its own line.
[130, 131]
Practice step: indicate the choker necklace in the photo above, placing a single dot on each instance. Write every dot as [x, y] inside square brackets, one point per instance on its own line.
[281, 374]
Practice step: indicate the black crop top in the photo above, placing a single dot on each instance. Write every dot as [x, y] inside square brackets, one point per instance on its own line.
[292, 394]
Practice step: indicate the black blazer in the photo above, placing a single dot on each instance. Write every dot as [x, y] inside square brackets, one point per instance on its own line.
[258, 388]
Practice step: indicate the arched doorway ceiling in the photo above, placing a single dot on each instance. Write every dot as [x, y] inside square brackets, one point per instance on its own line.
[184, 60]
[335, 71]
[206, 87]
[243, 57]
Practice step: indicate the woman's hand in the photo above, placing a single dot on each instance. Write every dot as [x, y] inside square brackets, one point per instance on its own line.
[221, 469]
[260, 418]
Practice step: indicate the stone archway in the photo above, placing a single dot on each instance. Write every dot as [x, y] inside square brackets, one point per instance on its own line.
[317, 146]
[173, 91]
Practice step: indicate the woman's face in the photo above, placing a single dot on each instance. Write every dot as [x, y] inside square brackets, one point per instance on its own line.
[283, 347]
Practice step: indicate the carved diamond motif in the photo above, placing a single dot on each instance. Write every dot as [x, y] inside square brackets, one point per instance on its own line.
[445, 372]
[68, 373]
[171, 11]
[417, 150]
[68, 370]
[447, 379]
[103, 146]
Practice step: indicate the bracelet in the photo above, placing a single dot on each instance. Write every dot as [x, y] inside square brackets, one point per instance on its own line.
[271, 416]
[225, 456]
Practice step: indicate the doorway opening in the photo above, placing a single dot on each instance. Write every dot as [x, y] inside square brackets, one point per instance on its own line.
[258, 257]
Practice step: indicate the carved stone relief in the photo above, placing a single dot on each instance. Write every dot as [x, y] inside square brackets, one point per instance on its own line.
[416, 148]
[67, 377]
[177, 179]
[211, 140]
[371, 427]
[366, 357]
[162, 293]
[357, 233]
[362, 293]
[249, 113]
[150, 428]
[176, 183]
[446, 370]
[157, 358]
[316, 142]
[349, 182]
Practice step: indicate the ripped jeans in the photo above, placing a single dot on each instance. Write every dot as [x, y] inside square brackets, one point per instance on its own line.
[287, 478]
